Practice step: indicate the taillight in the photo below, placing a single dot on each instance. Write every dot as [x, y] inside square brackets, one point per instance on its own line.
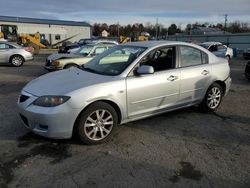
[29, 49]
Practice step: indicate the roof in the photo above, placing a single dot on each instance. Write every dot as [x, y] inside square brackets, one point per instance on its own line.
[154, 43]
[42, 21]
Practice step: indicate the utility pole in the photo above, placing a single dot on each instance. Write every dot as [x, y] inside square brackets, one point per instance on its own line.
[225, 24]
[156, 29]
[118, 30]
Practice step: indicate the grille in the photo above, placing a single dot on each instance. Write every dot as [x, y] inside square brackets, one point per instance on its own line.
[23, 98]
[48, 63]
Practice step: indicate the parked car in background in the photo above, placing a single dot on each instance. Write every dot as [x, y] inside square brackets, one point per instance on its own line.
[75, 59]
[246, 54]
[73, 47]
[125, 83]
[14, 54]
[218, 49]
[247, 70]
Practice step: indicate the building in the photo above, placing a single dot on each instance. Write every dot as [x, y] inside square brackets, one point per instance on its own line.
[54, 31]
[105, 33]
[197, 30]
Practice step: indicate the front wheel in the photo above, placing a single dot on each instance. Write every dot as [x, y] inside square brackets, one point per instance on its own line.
[212, 98]
[96, 123]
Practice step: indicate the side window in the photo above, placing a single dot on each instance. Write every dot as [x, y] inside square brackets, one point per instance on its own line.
[160, 59]
[204, 58]
[221, 48]
[3, 46]
[58, 37]
[99, 50]
[213, 48]
[190, 56]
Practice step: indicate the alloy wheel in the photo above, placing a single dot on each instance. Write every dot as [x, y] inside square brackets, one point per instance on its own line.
[98, 125]
[214, 98]
[17, 61]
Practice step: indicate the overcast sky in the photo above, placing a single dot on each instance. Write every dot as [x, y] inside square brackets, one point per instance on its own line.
[179, 12]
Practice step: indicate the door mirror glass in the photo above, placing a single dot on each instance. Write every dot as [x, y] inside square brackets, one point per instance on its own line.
[145, 69]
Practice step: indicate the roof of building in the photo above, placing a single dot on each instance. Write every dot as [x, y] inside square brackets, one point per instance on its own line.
[42, 21]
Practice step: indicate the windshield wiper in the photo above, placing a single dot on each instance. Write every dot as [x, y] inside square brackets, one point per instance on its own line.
[89, 69]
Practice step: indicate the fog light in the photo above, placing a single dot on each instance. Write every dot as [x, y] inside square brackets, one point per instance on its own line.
[43, 127]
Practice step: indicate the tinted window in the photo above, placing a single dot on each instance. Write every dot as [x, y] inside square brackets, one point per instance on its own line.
[160, 59]
[190, 56]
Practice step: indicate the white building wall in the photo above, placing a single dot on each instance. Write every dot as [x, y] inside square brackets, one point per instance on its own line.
[65, 31]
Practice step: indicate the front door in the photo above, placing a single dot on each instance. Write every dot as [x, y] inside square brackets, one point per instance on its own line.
[147, 94]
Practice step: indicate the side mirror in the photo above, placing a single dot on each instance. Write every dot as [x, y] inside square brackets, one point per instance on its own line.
[145, 69]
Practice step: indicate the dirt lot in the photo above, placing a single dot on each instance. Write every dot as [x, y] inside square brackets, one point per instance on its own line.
[185, 148]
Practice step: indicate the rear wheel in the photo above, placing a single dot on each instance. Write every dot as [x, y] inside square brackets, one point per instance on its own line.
[212, 98]
[96, 123]
[17, 60]
[228, 58]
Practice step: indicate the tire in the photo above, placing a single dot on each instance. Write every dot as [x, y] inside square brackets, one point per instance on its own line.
[228, 58]
[92, 129]
[70, 65]
[212, 98]
[16, 60]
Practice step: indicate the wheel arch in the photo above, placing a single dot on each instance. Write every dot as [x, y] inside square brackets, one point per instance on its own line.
[68, 64]
[16, 55]
[111, 103]
[222, 84]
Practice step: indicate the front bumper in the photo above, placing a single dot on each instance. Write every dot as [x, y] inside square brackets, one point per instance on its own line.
[51, 68]
[228, 83]
[48, 66]
[52, 122]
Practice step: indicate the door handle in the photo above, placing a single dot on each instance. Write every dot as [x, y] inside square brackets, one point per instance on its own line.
[172, 78]
[205, 72]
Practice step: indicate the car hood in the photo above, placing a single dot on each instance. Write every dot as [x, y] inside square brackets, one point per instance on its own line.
[64, 82]
[54, 57]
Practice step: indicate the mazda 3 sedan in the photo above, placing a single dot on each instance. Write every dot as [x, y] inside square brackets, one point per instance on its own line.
[14, 54]
[125, 83]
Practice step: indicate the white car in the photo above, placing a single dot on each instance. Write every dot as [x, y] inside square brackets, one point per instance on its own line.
[125, 83]
[218, 49]
[14, 54]
[76, 59]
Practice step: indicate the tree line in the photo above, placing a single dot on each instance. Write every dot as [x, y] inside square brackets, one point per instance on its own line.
[161, 30]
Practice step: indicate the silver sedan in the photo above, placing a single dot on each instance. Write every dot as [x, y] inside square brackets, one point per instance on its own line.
[14, 54]
[126, 83]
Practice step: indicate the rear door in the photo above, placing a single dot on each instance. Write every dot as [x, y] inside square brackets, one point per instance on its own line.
[195, 74]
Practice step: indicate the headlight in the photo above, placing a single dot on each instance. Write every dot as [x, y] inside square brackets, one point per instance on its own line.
[55, 63]
[50, 101]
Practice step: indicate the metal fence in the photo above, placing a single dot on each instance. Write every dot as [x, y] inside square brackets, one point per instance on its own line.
[240, 41]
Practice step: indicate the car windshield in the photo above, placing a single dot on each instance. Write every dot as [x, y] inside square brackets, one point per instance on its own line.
[114, 61]
[85, 50]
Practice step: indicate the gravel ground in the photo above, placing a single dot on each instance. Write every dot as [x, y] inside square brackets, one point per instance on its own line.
[184, 148]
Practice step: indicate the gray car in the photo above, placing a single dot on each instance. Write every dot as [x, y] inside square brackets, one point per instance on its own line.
[126, 83]
[14, 54]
